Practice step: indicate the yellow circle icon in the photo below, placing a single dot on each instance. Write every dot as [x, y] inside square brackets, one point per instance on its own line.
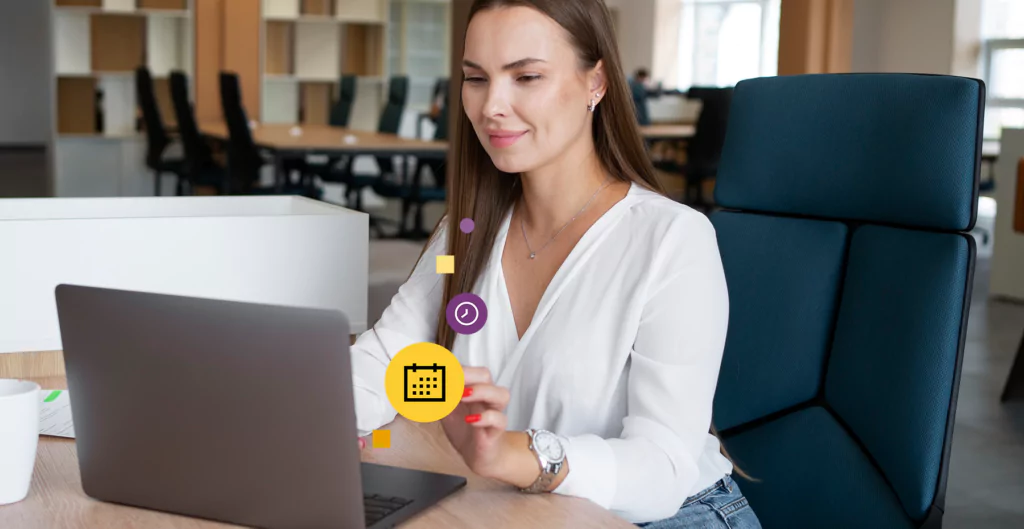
[424, 382]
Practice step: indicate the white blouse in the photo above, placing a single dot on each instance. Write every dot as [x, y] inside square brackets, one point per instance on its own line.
[621, 358]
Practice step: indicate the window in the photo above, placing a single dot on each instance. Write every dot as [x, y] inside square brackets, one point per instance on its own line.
[1002, 30]
[418, 46]
[722, 42]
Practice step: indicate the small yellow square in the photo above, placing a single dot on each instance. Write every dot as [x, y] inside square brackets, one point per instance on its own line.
[382, 438]
[446, 264]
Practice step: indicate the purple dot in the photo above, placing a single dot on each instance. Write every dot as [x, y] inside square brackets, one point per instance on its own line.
[467, 225]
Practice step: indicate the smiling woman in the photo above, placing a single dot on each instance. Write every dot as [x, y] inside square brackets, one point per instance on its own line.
[606, 302]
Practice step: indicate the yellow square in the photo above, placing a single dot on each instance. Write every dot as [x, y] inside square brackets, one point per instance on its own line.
[446, 264]
[382, 438]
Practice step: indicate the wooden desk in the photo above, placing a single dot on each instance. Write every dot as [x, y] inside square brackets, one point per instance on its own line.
[668, 132]
[56, 498]
[325, 139]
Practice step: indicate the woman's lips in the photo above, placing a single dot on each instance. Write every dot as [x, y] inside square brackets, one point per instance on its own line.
[502, 140]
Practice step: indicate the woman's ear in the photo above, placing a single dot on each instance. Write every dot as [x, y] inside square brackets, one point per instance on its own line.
[597, 81]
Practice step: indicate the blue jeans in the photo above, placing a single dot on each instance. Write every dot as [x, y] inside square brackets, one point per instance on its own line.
[720, 506]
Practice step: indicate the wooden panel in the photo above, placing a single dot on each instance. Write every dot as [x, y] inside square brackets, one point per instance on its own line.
[242, 50]
[363, 50]
[165, 4]
[79, 3]
[118, 42]
[162, 91]
[317, 7]
[76, 105]
[209, 56]
[815, 36]
[32, 365]
[280, 44]
[316, 103]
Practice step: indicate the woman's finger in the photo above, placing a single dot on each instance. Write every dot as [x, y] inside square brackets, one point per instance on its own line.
[362, 443]
[492, 396]
[477, 375]
[488, 419]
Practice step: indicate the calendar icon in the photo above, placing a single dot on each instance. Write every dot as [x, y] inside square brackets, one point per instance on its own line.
[424, 383]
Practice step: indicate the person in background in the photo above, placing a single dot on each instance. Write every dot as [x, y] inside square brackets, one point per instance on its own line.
[638, 87]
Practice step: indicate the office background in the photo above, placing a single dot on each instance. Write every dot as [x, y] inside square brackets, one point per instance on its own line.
[290, 54]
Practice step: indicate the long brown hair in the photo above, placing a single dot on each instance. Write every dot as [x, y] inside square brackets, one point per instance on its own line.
[478, 190]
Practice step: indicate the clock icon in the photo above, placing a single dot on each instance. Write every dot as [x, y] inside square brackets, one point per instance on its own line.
[466, 313]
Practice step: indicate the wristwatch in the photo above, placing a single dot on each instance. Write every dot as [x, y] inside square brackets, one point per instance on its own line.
[550, 454]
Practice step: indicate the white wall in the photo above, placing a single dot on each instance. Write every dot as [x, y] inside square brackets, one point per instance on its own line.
[636, 32]
[25, 72]
[915, 36]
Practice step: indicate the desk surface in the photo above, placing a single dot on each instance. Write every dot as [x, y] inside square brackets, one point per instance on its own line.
[56, 498]
[668, 132]
[326, 138]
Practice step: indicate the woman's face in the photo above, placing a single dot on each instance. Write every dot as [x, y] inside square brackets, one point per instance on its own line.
[524, 90]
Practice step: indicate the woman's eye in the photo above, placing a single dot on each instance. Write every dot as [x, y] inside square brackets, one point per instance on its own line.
[474, 80]
[528, 78]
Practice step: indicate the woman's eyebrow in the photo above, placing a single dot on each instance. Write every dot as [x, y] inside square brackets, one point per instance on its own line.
[510, 66]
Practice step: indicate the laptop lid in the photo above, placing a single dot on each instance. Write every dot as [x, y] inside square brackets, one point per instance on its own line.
[227, 411]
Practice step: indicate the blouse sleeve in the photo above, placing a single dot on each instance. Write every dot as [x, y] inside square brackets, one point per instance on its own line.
[648, 472]
[410, 318]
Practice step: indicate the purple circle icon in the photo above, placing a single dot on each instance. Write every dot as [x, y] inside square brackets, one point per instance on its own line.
[466, 313]
[467, 225]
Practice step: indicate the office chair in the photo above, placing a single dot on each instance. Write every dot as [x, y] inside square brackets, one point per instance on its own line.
[157, 139]
[199, 168]
[704, 149]
[244, 157]
[418, 196]
[847, 199]
[341, 111]
[389, 123]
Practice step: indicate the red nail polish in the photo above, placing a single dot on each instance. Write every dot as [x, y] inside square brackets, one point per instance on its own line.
[473, 418]
[467, 392]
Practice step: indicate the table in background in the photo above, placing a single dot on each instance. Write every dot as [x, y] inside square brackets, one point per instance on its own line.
[56, 498]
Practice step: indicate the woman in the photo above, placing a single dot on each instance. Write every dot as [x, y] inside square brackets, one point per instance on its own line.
[607, 302]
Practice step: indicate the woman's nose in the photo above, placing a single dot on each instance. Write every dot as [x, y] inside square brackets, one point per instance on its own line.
[496, 104]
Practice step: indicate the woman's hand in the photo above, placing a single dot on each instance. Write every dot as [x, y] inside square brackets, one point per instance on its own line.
[476, 427]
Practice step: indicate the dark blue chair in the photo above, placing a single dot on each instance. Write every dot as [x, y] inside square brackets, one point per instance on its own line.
[847, 201]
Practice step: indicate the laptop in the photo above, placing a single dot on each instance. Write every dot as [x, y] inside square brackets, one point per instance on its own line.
[234, 412]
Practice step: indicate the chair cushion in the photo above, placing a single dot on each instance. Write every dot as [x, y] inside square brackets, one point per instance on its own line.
[811, 475]
[896, 345]
[781, 311]
[897, 148]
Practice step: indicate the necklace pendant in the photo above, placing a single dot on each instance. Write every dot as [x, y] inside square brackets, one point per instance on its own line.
[533, 255]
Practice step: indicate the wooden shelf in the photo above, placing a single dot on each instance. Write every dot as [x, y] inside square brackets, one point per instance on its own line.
[362, 50]
[315, 105]
[76, 105]
[180, 5]
[118, 42]
[79, 3]
[280, 45]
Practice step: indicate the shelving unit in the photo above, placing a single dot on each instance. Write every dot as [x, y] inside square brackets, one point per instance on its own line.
[308, 45]
[98, 44]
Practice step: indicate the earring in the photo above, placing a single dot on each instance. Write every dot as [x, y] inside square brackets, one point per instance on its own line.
[591, 106]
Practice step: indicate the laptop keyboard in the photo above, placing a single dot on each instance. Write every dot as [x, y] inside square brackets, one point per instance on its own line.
[377, 506]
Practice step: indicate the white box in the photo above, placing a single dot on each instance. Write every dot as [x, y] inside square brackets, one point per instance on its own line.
[276, 250]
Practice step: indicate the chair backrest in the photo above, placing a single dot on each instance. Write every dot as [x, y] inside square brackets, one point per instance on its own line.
[156, 135]
[196, 152]
[391, 116]
[704, 149]
[843, 240]
[243, 155]
[341, 112]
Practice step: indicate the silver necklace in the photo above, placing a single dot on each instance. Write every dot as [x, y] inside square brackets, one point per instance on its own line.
[522, 225]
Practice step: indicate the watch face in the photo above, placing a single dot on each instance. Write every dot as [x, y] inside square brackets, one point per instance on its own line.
[548, 444]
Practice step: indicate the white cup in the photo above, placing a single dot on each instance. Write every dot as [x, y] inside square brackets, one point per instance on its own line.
[19, 436]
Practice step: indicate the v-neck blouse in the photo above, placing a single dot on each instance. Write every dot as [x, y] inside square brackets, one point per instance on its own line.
[621, 358]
